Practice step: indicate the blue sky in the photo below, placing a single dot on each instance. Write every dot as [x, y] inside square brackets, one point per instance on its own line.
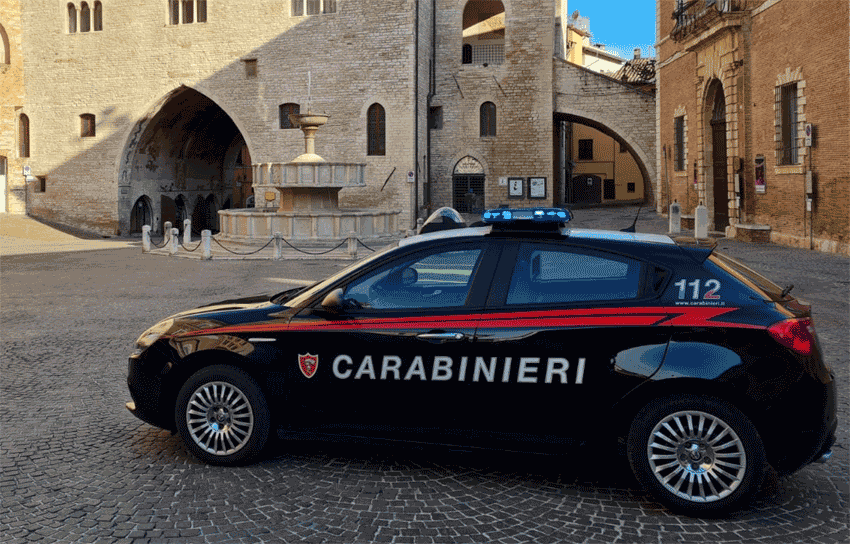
[622, 25]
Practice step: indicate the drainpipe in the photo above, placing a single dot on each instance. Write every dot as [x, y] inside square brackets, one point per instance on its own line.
[415, 116]
[432, 87]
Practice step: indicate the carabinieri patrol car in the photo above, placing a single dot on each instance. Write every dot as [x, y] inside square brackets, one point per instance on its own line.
[522, 328]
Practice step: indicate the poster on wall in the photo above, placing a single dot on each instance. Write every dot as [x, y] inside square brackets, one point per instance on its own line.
[759, 174]
[536, 187]
[516, 187]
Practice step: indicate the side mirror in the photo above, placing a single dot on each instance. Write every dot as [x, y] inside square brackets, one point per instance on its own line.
[333, 302]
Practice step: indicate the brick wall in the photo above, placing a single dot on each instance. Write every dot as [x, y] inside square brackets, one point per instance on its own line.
[11, 102]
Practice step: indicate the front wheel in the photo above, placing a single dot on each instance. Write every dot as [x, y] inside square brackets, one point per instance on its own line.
[222, 416]
[697, 455]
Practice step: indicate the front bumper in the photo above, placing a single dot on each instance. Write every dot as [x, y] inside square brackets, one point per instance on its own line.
[145, 372]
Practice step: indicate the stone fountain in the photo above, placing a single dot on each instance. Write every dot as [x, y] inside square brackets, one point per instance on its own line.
[301, 200]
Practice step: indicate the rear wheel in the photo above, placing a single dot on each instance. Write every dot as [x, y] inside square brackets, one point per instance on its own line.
[222, 416]
[698, 455]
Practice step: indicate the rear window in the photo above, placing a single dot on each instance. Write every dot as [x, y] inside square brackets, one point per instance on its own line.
[742, 271]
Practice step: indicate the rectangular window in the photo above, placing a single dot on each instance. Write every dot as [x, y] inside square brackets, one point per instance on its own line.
[788, 124]
[251, 68]
[679, 149]
[329, 6]
[630, 187]
[40, 184]
[202, 11]
[87, 125]
[435, 119]
[188, 11]
[314, 7]
[585, 150]
[297, 8]
[174, 12]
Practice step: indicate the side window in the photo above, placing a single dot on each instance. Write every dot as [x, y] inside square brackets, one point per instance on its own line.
[437, 280]
[548, 275]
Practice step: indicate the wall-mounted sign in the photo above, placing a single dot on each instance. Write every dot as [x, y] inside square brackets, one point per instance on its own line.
[410, 177]
[503, 182]
[516, 187]
[808, 130]
[536, 187]
[759, 177]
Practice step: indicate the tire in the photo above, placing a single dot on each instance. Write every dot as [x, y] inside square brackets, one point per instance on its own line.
[698, 455]
[222, 416]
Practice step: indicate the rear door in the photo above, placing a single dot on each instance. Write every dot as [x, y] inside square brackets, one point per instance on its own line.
[563, 339]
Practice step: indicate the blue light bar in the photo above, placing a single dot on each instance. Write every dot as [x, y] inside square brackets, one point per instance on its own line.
[527, 217]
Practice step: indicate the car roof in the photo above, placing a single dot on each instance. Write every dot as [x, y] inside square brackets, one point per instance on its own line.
[564, 233]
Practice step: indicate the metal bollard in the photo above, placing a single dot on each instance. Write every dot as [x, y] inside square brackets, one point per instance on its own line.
[146, 239]
[278, 246]
[352, 244]
[187, 232]
[701, 222]
[166, 233]
[675, 218]
[206, 240]
[175, 241]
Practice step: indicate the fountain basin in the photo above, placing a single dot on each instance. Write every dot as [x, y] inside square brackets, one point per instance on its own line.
[311, 228]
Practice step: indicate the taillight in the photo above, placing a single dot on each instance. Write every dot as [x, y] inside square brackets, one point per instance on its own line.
[797, 334]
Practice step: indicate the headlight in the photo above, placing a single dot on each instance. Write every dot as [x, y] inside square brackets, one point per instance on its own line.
[154, 333]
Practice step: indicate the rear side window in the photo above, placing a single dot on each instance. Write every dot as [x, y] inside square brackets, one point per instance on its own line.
[546, 275]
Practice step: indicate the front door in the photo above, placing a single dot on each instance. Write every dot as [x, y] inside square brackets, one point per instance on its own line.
[391, 358]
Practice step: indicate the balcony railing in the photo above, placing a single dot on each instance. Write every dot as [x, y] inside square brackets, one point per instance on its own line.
[696, 16]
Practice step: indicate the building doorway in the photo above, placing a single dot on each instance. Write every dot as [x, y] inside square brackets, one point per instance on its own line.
[468, 186]
[720, 183]
[140, 215]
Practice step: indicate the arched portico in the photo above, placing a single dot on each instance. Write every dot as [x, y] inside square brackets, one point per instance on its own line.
[185, 147]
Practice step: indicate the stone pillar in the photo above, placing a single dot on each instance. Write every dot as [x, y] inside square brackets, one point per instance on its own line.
[352, 244]
[187, 232]
[675, 218]
[206, 238]
[166, 233]
[175, 241]
[146, 239]
[701, 221]
[278, 246]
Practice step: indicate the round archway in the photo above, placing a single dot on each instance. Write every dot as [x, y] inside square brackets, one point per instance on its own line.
[140, 215]
[185, 151]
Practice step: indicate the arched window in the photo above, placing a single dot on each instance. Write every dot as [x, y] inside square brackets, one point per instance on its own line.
[488, 119]
[285, 111]
[174, 12]
[24, 136]
[376, 130]
[484, 32]
[72, 19]
[87, 125]
[98, 16]
[85, 17]
[188, 11]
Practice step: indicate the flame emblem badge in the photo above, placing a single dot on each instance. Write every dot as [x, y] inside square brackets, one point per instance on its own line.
[308, 364]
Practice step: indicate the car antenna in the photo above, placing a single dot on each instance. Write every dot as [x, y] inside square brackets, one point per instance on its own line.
[632, 228]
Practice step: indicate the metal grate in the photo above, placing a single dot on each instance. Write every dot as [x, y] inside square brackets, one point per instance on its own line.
[469, 193]
[488, 54]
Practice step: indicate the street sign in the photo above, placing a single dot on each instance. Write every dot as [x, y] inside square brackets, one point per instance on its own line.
[410, 177]
[808, 135]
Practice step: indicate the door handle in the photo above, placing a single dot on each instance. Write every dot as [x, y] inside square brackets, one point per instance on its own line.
[441, 337]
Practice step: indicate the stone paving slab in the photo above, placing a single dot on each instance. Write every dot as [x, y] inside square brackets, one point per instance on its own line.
[75, 466]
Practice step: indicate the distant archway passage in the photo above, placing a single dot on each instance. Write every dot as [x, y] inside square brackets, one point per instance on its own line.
[184, 153]
[564, 175]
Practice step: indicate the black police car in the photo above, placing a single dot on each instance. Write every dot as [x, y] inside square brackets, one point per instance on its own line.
[521, 329]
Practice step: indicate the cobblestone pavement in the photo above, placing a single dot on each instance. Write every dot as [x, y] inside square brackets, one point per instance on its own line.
[75, 466]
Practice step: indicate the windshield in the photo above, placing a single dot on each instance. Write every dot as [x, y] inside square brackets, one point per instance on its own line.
[311, 291]
[750, 276]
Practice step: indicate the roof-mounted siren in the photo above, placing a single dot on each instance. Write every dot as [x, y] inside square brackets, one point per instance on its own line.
[443, 219]
[537, 219]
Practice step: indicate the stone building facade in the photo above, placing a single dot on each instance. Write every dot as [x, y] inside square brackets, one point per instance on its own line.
[145, 112]
[740, 82]
[13, 197]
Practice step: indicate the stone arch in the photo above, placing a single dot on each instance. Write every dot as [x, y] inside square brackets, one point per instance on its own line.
[483, 32]
[5, 51]
[179, 143]
[643, 157]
